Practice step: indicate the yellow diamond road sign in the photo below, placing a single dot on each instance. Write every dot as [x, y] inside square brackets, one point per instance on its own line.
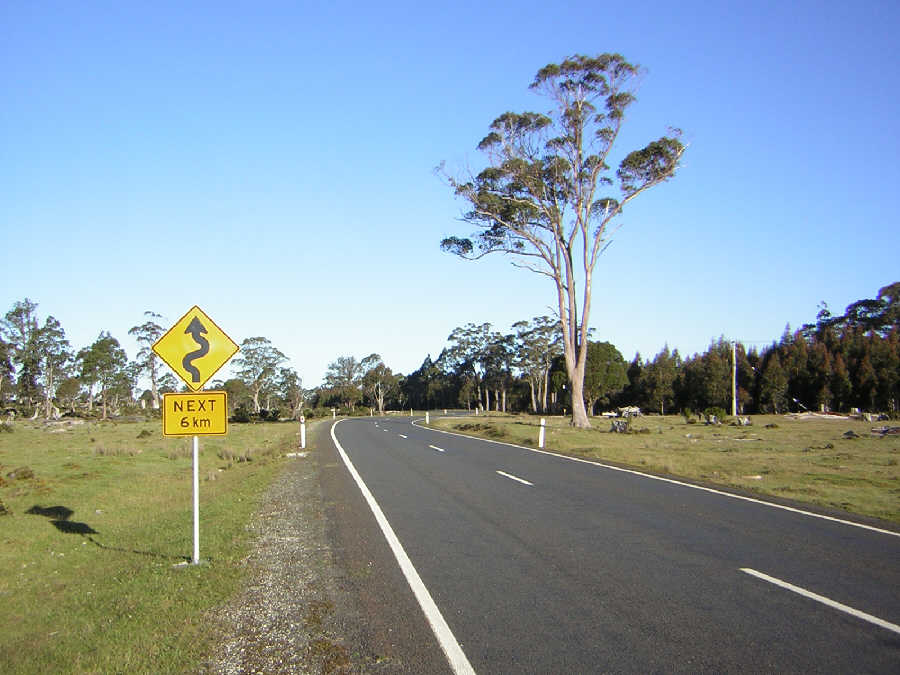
[195, 348]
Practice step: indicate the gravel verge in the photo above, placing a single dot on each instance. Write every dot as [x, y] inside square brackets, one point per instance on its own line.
[294, 615]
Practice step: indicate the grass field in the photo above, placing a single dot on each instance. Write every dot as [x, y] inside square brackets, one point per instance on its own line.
[804, 459]
[97, 518]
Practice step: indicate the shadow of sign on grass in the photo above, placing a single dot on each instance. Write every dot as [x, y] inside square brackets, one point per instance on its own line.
[59, 517]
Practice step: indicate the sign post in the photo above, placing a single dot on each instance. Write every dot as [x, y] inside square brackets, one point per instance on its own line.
[195, 348]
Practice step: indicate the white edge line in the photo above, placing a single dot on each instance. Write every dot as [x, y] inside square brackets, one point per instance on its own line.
[677, 482]
[402, 436]
[516, 478]
[825, 601]
[434, 447]
[454, 653]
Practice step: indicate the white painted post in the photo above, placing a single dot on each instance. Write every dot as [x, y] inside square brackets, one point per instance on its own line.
[333, 413]
[426, 417]
[196, 558]
[541, 433]
[302, 432]
[410, 412]
[445, 411]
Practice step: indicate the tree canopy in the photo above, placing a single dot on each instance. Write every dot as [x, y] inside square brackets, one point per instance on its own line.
[543, 197]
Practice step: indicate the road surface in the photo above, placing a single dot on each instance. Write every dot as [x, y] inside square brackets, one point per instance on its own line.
[541, 564]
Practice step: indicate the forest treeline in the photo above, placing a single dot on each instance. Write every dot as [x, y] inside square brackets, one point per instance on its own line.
[837, 363]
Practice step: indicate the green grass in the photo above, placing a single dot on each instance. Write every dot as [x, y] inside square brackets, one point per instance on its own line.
[88, 575]
[807, 460]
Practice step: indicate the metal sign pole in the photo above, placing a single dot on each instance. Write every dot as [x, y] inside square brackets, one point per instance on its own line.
[196, 501]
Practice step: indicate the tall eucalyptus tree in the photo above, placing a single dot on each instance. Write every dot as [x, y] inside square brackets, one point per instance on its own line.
[542, 197]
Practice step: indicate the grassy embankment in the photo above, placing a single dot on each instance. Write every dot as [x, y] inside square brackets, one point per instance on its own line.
[808, 460]
[89, 579]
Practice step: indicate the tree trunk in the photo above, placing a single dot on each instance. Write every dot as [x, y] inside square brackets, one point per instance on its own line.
[545, 390]
[154, 388]
[579, 412]
[533, 399]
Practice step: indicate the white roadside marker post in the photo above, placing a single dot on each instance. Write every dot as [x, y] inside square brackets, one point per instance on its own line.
[426, 417]
[302, 432]
[541, 433]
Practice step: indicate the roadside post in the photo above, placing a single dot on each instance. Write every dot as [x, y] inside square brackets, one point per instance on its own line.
[426, 417]
[195, 348]
[541, 433]
[302, 432]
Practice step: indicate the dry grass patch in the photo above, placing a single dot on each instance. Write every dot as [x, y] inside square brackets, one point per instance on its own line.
[809, 460]
[93, 529]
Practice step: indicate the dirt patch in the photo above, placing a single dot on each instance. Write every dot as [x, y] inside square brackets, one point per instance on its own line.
[293, 615]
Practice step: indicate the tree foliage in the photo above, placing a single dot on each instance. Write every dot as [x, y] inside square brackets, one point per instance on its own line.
[378, 381]
[105, 363]
[605, 374]
[548, 195]
[146, 335]
[343, 379]
[257, 365]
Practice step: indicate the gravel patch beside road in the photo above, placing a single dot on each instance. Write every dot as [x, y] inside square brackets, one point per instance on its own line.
[293, 615]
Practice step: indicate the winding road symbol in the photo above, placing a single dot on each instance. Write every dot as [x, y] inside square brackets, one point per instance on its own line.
[196, 330]
[195, 348]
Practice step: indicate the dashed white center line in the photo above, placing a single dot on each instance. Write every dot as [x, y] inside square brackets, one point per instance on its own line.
[401, 436]
[434, 447]
[515, 478]
[825, 601]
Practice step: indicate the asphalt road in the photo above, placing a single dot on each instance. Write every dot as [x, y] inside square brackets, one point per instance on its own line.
[583, 569]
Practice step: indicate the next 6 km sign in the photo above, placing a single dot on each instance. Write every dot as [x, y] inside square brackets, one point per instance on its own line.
[195, 414]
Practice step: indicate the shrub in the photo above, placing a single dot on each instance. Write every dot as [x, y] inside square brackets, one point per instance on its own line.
[241, 415]
[714, 411]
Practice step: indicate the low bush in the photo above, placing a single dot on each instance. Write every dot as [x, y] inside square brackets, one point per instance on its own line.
[241, 415]
[714, 411]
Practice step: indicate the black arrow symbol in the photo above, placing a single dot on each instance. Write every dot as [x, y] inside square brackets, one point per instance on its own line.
[196, 330]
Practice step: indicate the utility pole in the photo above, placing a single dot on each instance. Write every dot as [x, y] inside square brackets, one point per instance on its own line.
[734, 378]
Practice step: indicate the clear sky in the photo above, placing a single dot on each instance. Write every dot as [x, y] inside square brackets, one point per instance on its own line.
[272, 163]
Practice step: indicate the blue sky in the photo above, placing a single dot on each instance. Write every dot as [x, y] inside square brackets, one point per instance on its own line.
[272, 163]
